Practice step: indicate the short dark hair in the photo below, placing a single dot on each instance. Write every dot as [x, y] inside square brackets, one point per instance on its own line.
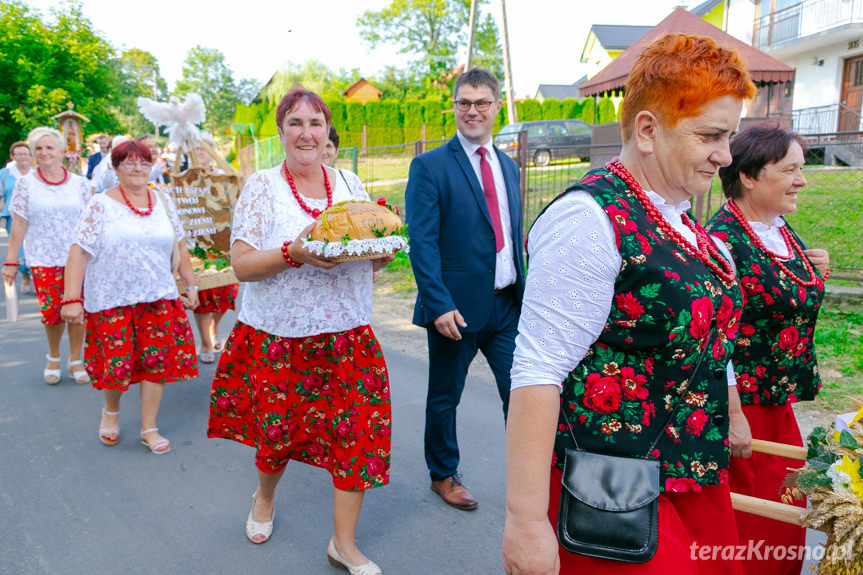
[751, 150]
[334, 137]
[293, 98]
[130, 149]
[477, 78]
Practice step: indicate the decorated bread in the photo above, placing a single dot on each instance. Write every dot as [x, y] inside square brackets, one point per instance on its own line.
[358, 230]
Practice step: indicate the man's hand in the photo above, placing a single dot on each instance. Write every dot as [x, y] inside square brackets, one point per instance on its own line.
[448, 324]
[820, 259]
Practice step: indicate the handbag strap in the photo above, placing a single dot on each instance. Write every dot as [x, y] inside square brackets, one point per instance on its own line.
[669, 418]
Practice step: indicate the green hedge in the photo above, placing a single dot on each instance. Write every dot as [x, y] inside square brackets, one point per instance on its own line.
[391, 122]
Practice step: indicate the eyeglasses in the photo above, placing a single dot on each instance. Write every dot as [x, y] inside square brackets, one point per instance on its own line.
[481, 105]
[21, 155]
[133, 165]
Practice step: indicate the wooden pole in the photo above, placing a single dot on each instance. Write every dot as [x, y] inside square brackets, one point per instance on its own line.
[780, 449]
[471, 34]
[512, 117]
[217, 157]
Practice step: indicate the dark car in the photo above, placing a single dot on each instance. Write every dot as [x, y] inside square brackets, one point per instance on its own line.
[547, 140]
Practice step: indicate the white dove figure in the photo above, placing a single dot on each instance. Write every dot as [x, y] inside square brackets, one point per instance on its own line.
[179, 117]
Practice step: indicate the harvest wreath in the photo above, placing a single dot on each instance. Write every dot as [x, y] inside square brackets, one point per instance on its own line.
[353, 230]
[833, 483]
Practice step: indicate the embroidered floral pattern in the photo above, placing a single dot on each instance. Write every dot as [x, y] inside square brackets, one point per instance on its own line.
[218, 299]
[774, 359]
[149, 341]
[49, 291]
[666, 305]
[323, 400]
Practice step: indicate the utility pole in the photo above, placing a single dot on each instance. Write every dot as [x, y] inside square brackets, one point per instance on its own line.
[471, 35]
[512, 117]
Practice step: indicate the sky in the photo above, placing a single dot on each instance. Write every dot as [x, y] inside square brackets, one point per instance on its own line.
[257, 37]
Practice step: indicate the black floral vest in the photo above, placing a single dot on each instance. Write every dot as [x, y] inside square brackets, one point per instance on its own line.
[667, 305]
[774, 358]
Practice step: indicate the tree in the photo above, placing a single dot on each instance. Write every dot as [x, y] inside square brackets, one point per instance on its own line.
[206, 73]
[139, 76]
[44, 65]
[436, 32]
[247, 90]
[312, 75]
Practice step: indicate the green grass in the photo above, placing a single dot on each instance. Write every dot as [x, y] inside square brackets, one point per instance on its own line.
[839, 346]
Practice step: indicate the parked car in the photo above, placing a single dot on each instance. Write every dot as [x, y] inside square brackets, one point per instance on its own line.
[547, 140]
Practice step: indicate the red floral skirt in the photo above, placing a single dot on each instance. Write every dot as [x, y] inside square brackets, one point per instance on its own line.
[690, 524]
[323, 400]
[149, 341]
[49, 291]
[762, 476]
[218, 299]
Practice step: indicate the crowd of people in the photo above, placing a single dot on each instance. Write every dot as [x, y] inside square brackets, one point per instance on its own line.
[635, 332]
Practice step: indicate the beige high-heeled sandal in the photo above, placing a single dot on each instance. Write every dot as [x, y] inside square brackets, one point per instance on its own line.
[339, 562]
[259, 531]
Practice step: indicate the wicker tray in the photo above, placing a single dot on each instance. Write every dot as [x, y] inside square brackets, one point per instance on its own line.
[211, 280]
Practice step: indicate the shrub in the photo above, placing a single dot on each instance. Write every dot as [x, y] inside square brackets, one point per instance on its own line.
[551, 109]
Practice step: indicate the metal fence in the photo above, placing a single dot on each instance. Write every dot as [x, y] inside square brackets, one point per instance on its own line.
[829, 214]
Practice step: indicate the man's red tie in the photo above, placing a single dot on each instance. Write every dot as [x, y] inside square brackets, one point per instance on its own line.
[490, 198]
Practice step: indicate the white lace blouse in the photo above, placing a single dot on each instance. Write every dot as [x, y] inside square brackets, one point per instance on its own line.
[301, 301]
[574, 263]
[130, 255]
[51, 213]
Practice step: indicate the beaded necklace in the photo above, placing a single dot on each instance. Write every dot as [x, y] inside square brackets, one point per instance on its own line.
[49, 182]
[705, 246]
[146, 212]
[790, 244]
[314, 213]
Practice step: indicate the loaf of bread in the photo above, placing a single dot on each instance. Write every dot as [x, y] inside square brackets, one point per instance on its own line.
[348, 221]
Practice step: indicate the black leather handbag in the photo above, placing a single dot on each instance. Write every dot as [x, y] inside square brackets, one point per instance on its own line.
[609, 504]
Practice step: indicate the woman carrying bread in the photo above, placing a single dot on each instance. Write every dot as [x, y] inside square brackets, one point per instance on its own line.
[137, 330]
[302, 376]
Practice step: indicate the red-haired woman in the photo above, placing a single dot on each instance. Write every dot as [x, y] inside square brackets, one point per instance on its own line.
[137, 330]
[302, 376]
[45, 205]
[628, 324]
[774, 359]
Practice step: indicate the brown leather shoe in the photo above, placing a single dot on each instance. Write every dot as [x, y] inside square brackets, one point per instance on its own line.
[454, 493]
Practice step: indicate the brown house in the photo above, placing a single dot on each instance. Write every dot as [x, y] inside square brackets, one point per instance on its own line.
[775, 80]
[362, 91]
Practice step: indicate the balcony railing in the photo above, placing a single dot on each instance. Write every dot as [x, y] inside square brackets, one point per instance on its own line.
[825, 119]
[804, 19]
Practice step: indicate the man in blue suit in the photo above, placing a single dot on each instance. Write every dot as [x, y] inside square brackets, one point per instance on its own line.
[463, 210]
[94, 159]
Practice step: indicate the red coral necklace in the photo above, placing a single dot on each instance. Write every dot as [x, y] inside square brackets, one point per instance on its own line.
[49, 182]
[790, 243]
[146, 212]
[705, 246]
[314, 213]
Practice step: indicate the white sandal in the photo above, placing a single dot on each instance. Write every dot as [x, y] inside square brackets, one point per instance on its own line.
[339, 562]
[51, 376]
[160, 448]
[81, 376]
[109, 435]
[259, 531]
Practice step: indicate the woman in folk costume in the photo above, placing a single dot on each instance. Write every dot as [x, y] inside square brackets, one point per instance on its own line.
[45, 206]
[302, 376]
[634, 309]
[774, 359]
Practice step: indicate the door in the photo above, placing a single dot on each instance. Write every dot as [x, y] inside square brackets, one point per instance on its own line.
[852, 96]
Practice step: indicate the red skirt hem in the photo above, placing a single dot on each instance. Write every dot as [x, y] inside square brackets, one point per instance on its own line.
[217, 300]
[322, 400]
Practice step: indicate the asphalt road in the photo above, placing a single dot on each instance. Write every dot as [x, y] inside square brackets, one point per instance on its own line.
[71, 505]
